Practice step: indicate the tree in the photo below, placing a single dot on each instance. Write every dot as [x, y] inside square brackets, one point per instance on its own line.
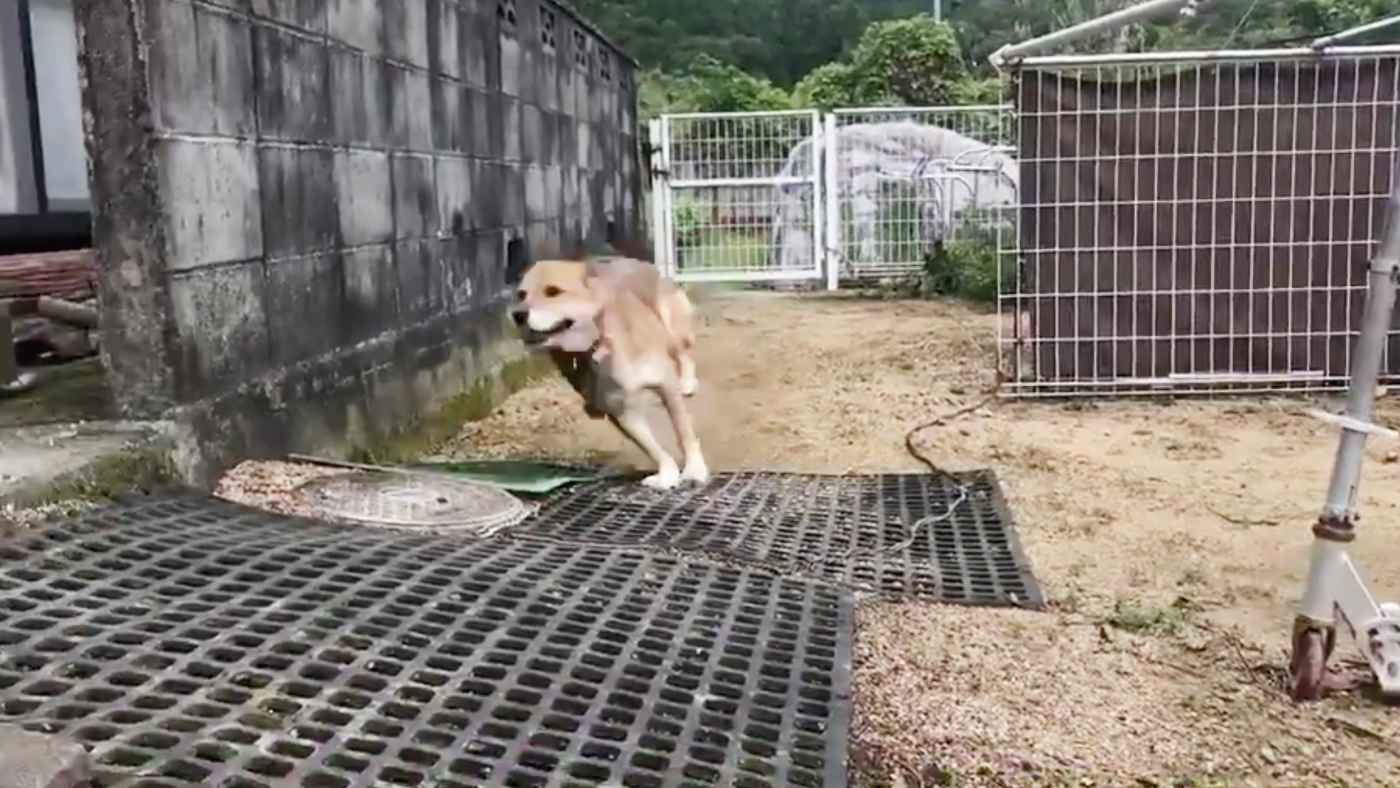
[712, 86]
[782, 40]
[779, 40]
[740, 54]
[913, 61]
[832, 85]
[1320, 17]
[707, 85]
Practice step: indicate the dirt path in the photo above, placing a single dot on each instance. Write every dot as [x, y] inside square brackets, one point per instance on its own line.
[1171, 540]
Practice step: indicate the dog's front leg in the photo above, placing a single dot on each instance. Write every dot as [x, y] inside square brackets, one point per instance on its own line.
[695, 469]
[633, 424]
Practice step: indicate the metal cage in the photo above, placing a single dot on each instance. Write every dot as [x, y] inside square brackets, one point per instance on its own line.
[1196, 221]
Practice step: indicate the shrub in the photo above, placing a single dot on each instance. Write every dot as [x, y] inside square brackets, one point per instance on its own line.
[967, 266]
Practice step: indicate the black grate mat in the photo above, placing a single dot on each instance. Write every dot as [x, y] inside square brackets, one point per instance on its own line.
[193, 642]
[891, 534]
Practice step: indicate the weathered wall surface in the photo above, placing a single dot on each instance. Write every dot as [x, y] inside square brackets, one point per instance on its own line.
[304, 208]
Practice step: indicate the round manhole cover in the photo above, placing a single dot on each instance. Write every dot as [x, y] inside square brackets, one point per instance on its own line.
[412, 502]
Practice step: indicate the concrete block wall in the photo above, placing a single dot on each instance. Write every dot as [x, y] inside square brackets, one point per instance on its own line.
[303, 208]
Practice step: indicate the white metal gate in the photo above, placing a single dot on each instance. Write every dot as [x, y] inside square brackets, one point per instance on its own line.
[736, 196]
[853, 195]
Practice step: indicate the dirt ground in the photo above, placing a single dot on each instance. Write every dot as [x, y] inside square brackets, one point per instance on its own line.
[1171, 539]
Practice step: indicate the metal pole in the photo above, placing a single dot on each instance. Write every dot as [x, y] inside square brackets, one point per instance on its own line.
[938, 10]
[31, 97]
[9, 368]
[831, 246]
[1103, 24]
[1326, 41]
[1339, 511]
[1332, 583]
[658, 206]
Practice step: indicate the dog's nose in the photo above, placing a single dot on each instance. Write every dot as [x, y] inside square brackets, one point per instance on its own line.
[519, 317]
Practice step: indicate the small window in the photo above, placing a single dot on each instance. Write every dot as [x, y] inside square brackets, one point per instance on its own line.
[505, 12]
[547, 37]
[516, 260]
[605, 65]
[581, 50]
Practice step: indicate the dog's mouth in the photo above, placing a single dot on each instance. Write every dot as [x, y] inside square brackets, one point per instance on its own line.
[533, 337]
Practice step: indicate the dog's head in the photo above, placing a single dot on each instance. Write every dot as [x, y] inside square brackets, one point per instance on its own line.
[557, 306]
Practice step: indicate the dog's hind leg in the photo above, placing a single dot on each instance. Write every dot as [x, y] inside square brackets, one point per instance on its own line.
[695, 469]
[685, 368]
[679, 316]
[634, 425]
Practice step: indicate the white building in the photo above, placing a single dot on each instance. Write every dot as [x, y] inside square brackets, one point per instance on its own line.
[44, 199]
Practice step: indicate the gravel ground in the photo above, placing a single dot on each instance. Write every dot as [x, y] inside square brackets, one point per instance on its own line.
[1171, 540]
[270, 485]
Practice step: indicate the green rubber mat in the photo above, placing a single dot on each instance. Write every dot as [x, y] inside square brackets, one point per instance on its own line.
[522, 476]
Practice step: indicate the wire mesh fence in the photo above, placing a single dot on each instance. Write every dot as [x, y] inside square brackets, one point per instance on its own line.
[742, 195]
[1197, 222]
[905, 180]
[1184, 222]
[754, 196]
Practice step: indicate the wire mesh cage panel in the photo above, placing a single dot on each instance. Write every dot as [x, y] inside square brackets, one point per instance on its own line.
[739, 201]
[905, 180]
[1196, 222]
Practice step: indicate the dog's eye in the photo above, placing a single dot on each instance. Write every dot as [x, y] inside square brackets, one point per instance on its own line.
[519, 295]
[552, 291]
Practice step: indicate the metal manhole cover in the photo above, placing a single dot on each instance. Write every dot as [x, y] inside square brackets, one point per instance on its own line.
[412, 501]
[192, 642]
[890, 533]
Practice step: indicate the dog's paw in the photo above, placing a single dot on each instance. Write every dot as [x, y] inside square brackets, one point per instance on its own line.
[696, 472]
[664, 479]
[689, 386]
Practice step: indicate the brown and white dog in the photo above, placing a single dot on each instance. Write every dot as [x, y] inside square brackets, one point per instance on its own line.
[618, 330]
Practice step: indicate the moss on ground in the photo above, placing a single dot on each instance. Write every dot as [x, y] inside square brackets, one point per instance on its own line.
[475, 404]
[144, 467]
[76, 391]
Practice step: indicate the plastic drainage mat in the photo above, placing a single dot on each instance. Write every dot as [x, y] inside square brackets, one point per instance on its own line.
[862, 532]
[193, 642]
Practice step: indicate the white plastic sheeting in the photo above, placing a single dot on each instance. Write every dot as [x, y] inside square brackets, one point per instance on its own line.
[945, 173]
